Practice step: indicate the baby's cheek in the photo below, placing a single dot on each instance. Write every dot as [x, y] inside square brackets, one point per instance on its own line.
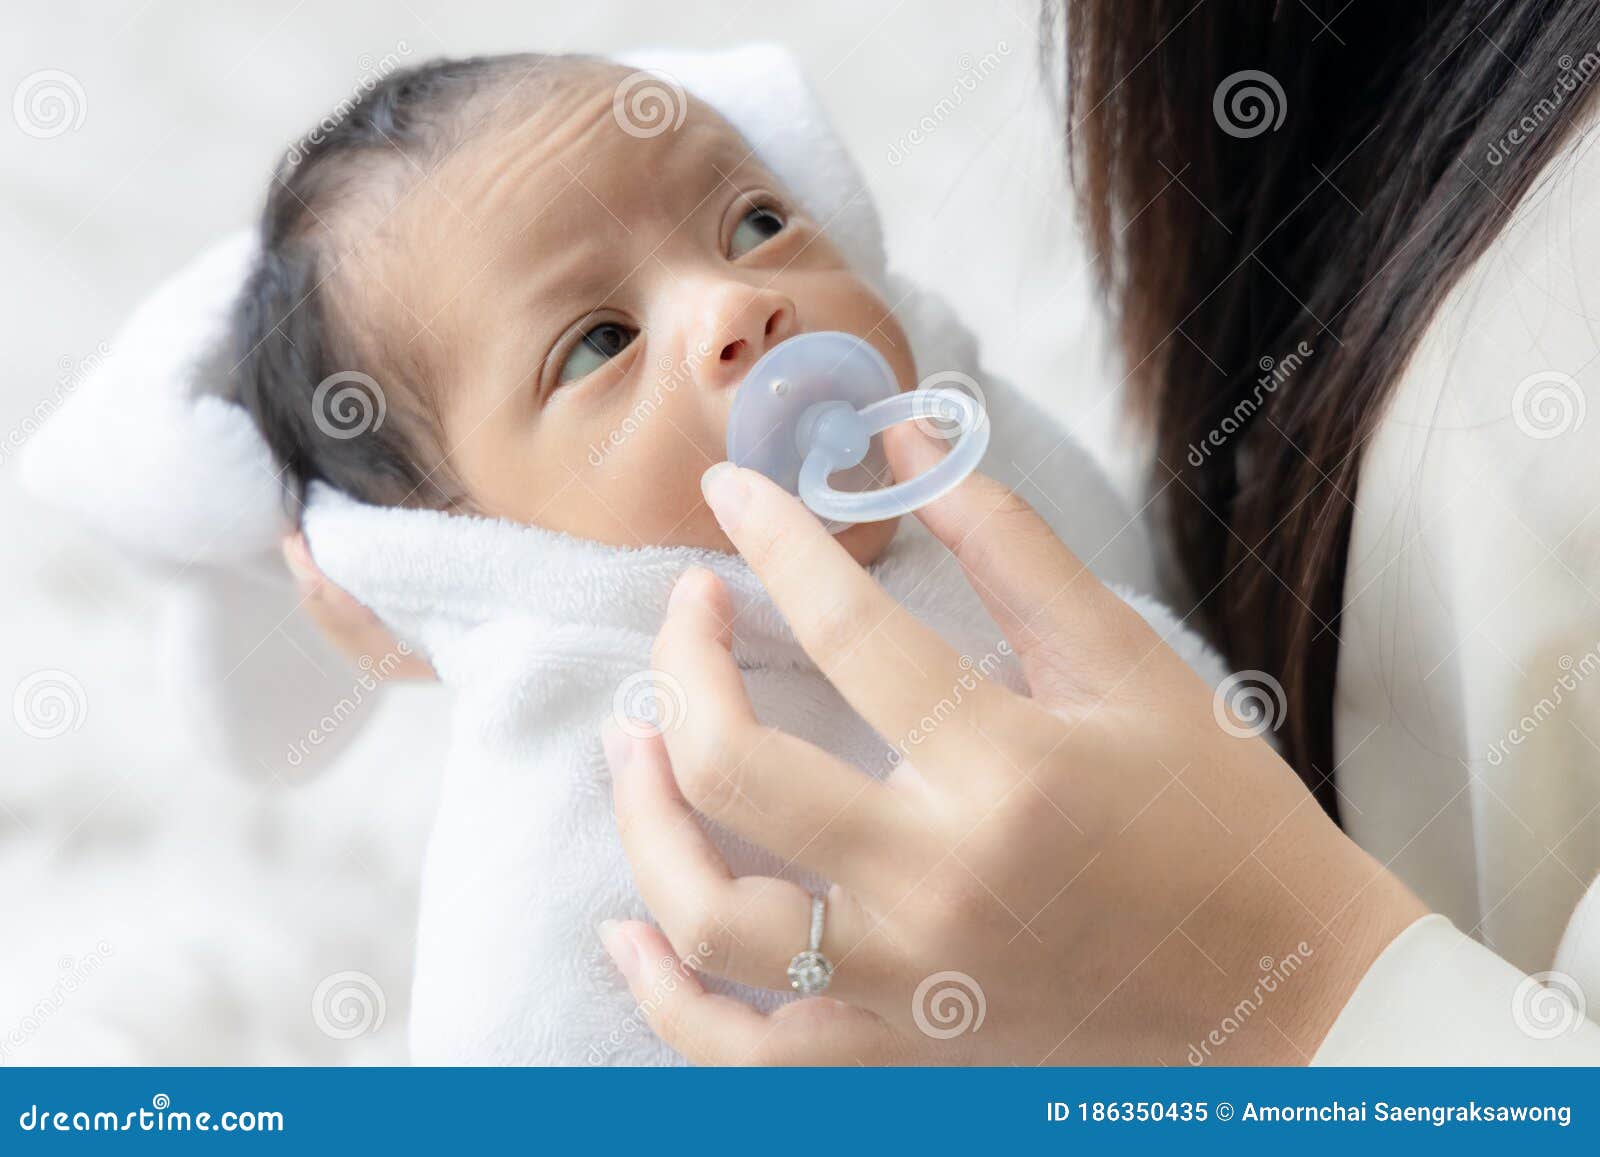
[676, 515]
[841, 300]
[657, 492]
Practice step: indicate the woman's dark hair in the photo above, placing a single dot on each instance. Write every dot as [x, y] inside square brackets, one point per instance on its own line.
[1261, 180]
[306, 370]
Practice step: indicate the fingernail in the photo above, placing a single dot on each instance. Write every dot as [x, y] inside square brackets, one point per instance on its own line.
[680, 589]
[616, 745]
[726, 492]
[298, 560]
[619, 947]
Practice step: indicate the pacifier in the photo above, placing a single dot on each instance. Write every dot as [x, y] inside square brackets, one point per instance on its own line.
[808, 409]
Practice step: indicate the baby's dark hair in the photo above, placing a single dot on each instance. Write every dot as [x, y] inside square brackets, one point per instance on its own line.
[335, 400]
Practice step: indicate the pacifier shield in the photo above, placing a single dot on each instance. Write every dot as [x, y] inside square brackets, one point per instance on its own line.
[788, 381]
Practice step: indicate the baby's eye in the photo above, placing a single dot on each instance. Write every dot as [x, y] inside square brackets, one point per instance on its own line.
[597, 347]
[755, 227]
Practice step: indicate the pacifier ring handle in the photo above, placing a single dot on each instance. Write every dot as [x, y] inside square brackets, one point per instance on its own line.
[845, 506]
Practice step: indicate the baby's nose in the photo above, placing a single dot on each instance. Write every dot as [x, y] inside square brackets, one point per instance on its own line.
[738, 325]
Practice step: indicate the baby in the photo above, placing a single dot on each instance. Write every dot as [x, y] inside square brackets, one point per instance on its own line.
[545, 312]
[522, 277]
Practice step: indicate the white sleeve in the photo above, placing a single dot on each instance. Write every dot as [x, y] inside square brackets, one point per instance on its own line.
[1469, 662]
[1436, 997]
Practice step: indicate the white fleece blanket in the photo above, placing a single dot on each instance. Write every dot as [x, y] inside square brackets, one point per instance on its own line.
[544, 636]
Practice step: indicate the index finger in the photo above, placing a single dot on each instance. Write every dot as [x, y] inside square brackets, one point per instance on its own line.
[893, 669]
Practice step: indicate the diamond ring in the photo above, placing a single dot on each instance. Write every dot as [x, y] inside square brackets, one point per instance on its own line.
[810, 972]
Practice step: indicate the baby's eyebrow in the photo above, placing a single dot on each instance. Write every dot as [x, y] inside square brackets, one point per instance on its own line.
[592, 282]
[559, 273]
[733, 154]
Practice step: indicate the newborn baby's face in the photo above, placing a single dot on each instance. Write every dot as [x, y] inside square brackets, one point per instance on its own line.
[591, 300]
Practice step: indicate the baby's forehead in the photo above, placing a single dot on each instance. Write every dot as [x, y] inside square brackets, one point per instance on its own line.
[561, 181]
[541, 178]
[578, 152]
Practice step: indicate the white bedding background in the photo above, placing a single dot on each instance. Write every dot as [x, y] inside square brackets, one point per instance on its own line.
[155, 907]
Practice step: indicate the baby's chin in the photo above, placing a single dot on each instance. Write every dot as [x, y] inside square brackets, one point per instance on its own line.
[867, 540]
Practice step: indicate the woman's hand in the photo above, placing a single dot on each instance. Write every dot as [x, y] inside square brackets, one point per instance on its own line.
[353, 630]
[1103, 871]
